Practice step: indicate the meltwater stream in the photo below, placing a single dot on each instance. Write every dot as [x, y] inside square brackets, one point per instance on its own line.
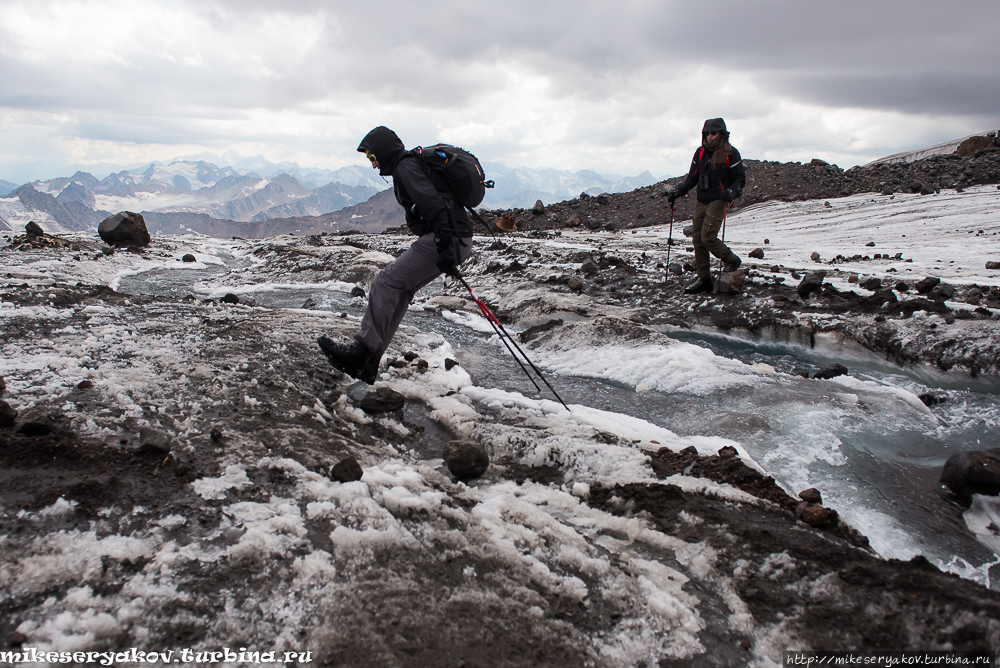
[865, 441]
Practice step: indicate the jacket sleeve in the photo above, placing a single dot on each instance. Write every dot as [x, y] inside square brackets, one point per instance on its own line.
[737, 175]
[692, 178]
[431, 206]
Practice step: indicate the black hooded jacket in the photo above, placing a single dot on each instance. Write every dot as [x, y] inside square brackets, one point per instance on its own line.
[419, 190]
[711, 182]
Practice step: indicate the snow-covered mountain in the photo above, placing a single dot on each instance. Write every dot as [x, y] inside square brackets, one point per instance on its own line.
[6, 187]
[79, 202]
[522, 186]
[254, 190]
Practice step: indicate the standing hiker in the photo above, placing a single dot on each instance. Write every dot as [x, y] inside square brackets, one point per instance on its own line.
[444, 241]
[717, 170]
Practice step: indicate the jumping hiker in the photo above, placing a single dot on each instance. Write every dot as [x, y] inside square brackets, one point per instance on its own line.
[717, 171]
[444, 241]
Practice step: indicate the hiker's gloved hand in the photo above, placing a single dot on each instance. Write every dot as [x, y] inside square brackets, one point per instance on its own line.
[446, 262]
[728, 195]
[671, 198]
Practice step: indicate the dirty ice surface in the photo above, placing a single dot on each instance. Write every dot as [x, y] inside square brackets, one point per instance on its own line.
[853, 437]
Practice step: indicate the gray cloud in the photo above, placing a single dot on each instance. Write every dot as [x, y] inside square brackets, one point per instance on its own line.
[574, 82]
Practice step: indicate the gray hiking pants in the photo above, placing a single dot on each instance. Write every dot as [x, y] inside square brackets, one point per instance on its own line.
[393, 290]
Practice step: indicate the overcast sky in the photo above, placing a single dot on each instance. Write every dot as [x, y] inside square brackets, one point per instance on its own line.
[617, 87]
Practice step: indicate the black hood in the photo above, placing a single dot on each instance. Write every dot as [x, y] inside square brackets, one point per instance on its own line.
[715, 125]
[386, 146]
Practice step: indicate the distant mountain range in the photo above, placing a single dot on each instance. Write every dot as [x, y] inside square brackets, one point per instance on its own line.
[246, 196]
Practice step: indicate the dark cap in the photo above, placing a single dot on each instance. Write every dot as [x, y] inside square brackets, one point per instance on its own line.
[714, 125]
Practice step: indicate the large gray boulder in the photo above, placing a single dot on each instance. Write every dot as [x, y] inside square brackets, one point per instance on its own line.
[810, 283]
[973, 472]
[465, 459]
[124, 229]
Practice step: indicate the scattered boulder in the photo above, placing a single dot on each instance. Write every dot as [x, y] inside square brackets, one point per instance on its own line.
[34, 229]
[944, 291]
[810, 283]
[539, 208]
[688, 230]
[358, 291]
[592, 223]
[818, 516]
[153, 442]
[124, 229]
[588, 266]
[215, 434]
[188, 257]
[870, 244]
[230, 298]
[852, 278]
[346, 470]
[815, 257]
[465, 459]
[811, 495]
[731, 282]
[8, 416]
[756, 253]
[382, 400]
[902, 287]
[675, 268]
[927, 189]
[450, 364]
[872, 283]
[927, 284]
[991, 264]
[575, 284]
[973, 297]
[831, 371]
[973, 472]
[725, 452]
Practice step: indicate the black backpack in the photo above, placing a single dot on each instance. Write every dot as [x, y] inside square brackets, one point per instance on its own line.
[460, 170]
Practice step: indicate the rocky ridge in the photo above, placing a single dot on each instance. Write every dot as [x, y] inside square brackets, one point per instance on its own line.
[766, 181]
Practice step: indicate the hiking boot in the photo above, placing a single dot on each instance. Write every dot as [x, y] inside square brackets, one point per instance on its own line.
[354, 359]
[369, 373]
[701, 285]
[732, 266]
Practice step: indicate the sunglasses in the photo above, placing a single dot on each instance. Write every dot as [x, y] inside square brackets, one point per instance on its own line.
[371, 156]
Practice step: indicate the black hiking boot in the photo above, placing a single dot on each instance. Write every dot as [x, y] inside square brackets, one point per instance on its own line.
[355, 360]
[701, 285]
[732, 266]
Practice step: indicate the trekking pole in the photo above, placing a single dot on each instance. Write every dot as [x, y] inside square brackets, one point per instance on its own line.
[670, 240]
[718, 283]
[489, 318]
[498, 328]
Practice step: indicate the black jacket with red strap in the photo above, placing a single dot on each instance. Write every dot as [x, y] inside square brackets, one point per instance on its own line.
[421, 191]
[711, 182]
